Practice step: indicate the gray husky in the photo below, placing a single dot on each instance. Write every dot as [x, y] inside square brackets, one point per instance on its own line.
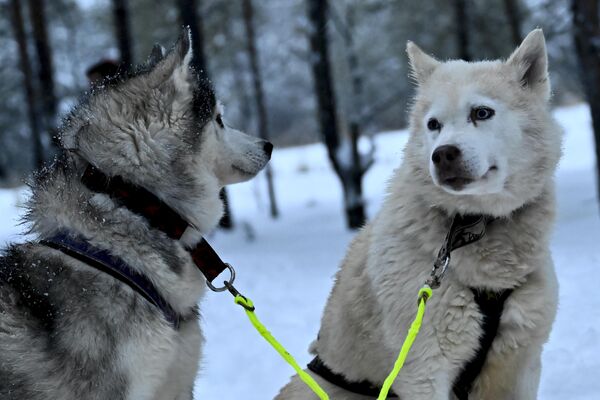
[483, 145]
[73, 328]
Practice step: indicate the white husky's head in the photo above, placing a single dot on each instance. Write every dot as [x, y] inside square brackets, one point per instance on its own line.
[162, 128]
[482, 132]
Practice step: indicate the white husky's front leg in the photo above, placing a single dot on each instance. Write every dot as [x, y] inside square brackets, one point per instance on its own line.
[512, 375]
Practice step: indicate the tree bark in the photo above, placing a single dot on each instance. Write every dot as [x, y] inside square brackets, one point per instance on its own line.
[188, 11]
[263, 125]
[462, 29]
[47, 94]
[513, 16]
[586, 32]
[326, 105]
[25, 66]
[123, 32]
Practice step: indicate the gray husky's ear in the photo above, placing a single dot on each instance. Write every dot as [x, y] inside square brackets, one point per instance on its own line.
[530, 61]
[176, 64]
[157, 54]
[422, 65]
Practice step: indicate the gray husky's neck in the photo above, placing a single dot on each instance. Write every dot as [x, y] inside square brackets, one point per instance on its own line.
[60, 201]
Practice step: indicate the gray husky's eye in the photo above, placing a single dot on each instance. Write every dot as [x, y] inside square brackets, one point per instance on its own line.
[434, 125]
[481, 113]
[220, 121]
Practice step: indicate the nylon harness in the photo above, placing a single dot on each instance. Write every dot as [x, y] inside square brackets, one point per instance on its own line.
[159, 216]
[464, 230]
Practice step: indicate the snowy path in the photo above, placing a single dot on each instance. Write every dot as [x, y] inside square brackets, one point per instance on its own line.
[287, 269]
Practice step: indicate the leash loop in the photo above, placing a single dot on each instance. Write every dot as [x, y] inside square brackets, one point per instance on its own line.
[227, 284]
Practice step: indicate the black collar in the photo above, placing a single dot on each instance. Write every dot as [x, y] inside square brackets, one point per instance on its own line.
[464, 230]
[158, 214]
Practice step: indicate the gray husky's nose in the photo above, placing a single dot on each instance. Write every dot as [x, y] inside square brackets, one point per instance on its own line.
[268, 147]
[446, 156]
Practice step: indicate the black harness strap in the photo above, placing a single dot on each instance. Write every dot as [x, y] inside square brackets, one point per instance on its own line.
[81, 250]
[364, 388]
[491, 305]
[463, 231]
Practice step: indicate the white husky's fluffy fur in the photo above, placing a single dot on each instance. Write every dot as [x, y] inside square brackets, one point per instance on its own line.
[506, 170]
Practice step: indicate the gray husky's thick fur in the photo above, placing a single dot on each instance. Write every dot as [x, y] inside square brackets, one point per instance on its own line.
[69, 331]
[482, 141]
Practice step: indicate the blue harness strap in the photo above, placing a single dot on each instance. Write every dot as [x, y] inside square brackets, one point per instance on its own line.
[102, 260]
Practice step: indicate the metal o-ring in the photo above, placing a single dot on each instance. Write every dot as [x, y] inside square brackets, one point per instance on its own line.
[224, 287]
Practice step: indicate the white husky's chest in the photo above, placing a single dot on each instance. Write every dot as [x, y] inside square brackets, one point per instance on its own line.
[162, 364]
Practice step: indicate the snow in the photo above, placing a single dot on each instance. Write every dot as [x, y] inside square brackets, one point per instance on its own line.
[286, 267]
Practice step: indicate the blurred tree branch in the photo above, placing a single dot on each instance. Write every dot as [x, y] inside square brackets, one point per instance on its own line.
[28, 79]
[586, 32]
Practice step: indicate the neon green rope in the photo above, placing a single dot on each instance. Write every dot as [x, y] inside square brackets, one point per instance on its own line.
[306, 378]
[424, 294]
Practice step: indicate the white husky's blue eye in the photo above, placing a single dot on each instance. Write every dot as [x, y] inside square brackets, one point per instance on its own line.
[481, 113]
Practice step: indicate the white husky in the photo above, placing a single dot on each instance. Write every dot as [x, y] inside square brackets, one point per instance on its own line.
[482, 142]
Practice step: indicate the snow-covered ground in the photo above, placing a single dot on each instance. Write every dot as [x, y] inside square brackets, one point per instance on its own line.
[286, 267]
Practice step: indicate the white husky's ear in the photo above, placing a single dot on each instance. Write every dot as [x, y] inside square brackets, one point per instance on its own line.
[530, 61]
[176, 64]
[422, 65]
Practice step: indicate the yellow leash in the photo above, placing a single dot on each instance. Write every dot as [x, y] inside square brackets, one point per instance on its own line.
[462, 232]
[424, 294]
[248, 306]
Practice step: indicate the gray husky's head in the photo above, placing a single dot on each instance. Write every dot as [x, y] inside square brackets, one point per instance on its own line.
[481, 132]
[162, 128]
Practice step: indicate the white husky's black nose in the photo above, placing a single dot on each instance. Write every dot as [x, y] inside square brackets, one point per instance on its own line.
[446, 156]
[450, 168]
[268, 147]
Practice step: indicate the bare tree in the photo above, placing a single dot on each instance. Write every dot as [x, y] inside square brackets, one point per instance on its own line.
[188, 11]
[37, 15]
[586, 32]
[511, 8]
[263, 125]
[123, 31]
[28, 79]
[343, 156]
[189, 16]
[461, 17]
